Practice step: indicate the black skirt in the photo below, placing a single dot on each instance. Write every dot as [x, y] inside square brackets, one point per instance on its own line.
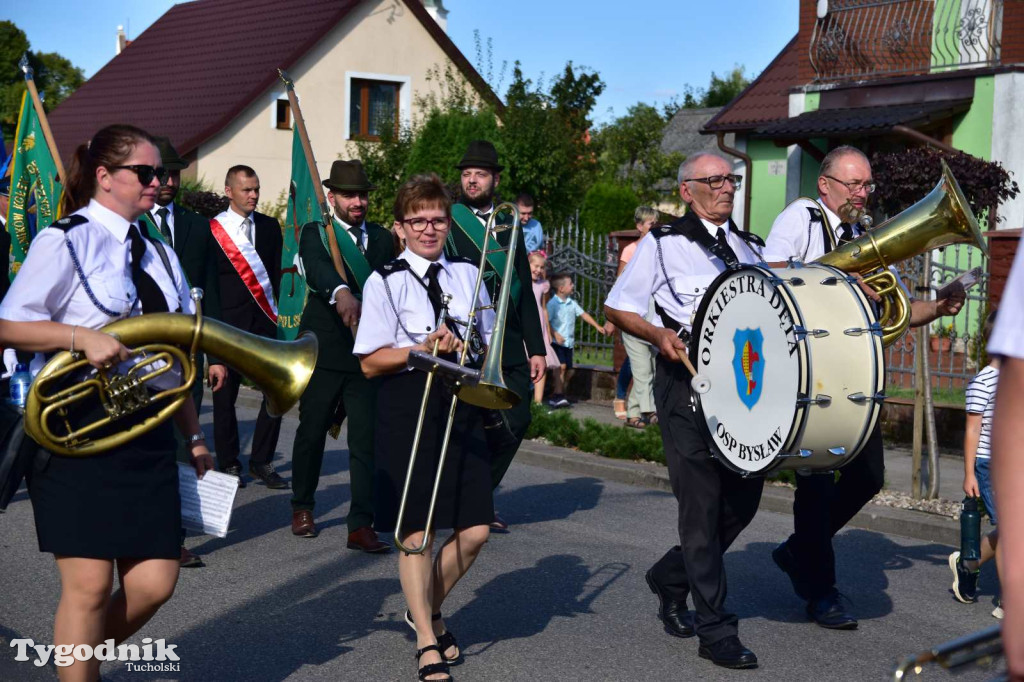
[122, 504]
[464, 498]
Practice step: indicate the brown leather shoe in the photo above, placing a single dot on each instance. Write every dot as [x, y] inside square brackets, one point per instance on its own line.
[190, 560]
[302, 524]
[499, 524]
[366, 540]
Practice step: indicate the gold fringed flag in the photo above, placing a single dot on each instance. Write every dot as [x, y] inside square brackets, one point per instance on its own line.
[302, 208]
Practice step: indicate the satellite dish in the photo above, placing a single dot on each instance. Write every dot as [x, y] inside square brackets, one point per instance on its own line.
[822, 8]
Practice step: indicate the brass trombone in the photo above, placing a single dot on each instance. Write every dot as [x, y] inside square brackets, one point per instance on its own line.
[485, 387]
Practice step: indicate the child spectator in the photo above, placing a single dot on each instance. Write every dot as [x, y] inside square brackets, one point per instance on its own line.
[541, 291]
[981, 398]
[562, 314]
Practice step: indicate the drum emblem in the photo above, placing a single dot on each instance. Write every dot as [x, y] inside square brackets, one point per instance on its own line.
[748, 365]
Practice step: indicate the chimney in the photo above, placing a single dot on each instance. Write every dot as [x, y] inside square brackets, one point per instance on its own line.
[435, 8]
[122, 41]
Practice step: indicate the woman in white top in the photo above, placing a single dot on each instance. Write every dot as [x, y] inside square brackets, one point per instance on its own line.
[91, 268]
[401, 307]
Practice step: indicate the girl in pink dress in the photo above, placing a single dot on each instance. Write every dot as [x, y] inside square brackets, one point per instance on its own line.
[541, 291]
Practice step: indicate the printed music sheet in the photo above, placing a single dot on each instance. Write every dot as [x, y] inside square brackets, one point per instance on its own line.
[206, 503]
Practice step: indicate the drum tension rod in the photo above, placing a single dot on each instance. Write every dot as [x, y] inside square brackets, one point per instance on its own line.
[793, 281]
[874, 328]
[803, 454]
[816, 333]
[821, 399]
[838, 452]
[860, 398]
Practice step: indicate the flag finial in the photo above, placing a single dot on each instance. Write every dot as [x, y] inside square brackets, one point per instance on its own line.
[23, 65]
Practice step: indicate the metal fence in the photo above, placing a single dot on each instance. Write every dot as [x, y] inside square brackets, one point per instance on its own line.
[592, 259]
[868, 38]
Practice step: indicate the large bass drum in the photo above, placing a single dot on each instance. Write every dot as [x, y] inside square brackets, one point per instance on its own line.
[794, 361]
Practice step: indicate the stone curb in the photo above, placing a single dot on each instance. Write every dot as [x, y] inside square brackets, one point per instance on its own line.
[906, 522]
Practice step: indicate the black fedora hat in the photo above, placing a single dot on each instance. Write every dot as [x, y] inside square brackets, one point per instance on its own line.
[348, 176]
[480, 154]
[169, 155]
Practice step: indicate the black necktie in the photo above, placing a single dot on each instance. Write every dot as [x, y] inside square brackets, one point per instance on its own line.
[484, 216]
[165, 229]
[434, 288]
[358, 235]
[722, 238]
[845, 233]
[150, 295]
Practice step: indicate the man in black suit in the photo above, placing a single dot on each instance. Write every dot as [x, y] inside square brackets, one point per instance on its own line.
[188, 233]
[338, 388]
[249, 270]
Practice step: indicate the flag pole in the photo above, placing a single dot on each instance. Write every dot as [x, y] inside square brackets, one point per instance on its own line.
[30, 83]
[307, 150]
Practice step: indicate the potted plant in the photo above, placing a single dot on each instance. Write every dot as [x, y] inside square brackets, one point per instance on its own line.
[942, 339]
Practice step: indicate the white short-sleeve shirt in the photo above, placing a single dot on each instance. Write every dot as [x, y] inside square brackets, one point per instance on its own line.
[795, 236]
[396, 309]
[675, 273]
[1008, 335]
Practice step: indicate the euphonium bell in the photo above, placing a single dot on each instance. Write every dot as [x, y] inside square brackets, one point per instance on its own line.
[943, 217]
[281, 369]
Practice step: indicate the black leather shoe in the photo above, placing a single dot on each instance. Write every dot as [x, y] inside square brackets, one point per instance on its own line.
[236, 471]
[828, 612]
[728, 653]
[678, 621]
[269, 477]
[785, 560]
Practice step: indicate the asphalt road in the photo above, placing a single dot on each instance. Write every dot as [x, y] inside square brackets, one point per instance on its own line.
[561, 597]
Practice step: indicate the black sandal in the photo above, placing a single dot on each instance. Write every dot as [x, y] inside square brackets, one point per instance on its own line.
[433, 668]
[446, 642]
[409, 621]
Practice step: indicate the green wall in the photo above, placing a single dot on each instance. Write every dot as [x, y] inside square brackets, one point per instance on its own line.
[972, 130]
[767, 191]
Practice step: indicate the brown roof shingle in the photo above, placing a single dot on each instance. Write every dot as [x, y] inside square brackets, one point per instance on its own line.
[764, 100]
[200, 64]
[863, 120]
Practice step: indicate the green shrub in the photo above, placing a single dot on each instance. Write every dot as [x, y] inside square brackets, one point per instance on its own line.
[608, 207]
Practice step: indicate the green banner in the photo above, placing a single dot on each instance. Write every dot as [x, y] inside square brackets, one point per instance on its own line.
[302, 208]
[33, 175]
[466, 220]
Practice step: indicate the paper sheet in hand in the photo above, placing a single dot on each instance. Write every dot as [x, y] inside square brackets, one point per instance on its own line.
[964, 282]
[206, 503]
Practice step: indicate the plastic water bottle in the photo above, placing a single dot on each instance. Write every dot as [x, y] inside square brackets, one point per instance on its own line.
[21, 380]
[970, 530]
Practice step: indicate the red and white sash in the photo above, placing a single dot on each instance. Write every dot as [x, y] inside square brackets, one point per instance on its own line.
[248, 265]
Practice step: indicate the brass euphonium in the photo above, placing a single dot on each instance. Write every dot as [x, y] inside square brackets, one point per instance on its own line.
[943, 217]
[281, 369]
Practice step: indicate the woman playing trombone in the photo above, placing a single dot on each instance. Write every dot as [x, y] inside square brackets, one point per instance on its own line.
[403, 303]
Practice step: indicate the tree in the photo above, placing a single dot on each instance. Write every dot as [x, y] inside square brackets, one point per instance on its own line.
[630, 150]
[608, 207]
[56, 77]
[720, 91]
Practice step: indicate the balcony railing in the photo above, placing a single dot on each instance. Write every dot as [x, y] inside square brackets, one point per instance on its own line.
[859, 39]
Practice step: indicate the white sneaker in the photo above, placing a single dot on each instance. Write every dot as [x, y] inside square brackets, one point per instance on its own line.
[997, 612]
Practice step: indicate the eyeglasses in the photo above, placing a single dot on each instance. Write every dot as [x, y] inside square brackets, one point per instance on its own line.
[420, 224]
[717, 181]
[854, 187]
[145, 173]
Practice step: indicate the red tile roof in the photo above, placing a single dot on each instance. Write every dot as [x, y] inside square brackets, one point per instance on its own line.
[200, 64]
[764, 100]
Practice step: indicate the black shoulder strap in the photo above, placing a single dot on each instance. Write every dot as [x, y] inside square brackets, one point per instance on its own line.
[750, 238]
[463, 259]
[827, 238]
[695, 232]
[391, 267]
[69, 221]
[160, 249]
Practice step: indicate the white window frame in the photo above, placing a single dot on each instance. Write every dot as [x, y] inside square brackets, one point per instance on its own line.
[276, 97]
[404, 97]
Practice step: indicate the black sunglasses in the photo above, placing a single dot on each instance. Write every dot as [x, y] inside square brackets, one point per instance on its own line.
[145, 173]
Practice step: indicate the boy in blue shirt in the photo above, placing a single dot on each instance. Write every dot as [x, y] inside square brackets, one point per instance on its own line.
[562, 314]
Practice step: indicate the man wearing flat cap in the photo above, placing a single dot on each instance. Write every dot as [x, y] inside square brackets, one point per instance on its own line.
[188, 233]
[523, 351]
[338, 388]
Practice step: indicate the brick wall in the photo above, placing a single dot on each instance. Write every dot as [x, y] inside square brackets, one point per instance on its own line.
[1013, 32]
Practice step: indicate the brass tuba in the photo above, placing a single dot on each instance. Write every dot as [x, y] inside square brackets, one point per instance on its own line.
[281, 369]
[981, 648]
[941, 218]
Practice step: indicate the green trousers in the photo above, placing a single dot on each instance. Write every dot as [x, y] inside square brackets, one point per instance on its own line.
[504, 440]
[358, 397]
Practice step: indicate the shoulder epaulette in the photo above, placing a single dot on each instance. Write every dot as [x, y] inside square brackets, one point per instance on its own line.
[664, 231]
[816, 216]
[463, 259]
[69, 221]
[390, 268]
[750, 238]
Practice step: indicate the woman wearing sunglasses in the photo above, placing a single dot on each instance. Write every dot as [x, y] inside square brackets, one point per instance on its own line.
[119, 508]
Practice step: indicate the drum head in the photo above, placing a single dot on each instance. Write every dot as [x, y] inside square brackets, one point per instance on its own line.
[745, 343]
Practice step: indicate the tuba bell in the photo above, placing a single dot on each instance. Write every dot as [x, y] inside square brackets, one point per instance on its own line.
[943, 217]
[281, 369]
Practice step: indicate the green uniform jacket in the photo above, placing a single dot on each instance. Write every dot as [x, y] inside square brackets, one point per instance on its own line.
[197, 251]
[523, 323]
[319, 315]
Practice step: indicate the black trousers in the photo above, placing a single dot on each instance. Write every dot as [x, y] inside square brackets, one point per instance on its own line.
[317, 407]
[715, 505]
[225, 427]
[503, 440]
[823, 505]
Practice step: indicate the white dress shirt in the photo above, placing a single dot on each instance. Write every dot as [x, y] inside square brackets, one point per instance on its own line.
[397, 312]
[793, 235]
[232, 222]
[170, 220]
[677, 279]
